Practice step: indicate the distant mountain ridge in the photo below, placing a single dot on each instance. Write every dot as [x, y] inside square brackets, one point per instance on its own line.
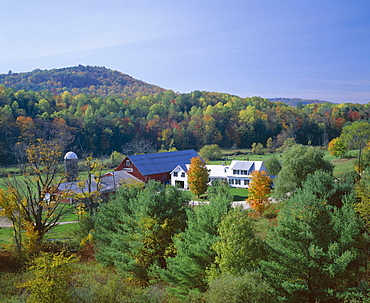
[97, 80]
[91, 80]
[294, 102]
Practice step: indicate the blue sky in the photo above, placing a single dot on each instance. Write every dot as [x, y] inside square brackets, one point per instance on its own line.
[278, 48]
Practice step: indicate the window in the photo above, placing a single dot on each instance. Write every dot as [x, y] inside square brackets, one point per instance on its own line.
[128, 163]
[175, 174]
[182, 175]
[237, 181]
[246, 182]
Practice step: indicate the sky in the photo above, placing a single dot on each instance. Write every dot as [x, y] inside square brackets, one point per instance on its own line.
[310, 49]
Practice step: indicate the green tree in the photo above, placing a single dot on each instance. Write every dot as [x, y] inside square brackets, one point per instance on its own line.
[273, 166]
[315, 252]
[187, 272]
[198, 176]
[210, 152]
[337, 147]
[135, 229]
[298, 162]
[238, 250]
[257, 148]
[356, 134]
[269, 145]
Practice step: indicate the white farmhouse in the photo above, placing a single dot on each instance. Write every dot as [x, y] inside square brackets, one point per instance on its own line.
[237, 174]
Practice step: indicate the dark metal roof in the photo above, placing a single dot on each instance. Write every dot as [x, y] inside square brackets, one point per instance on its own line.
[151, 164]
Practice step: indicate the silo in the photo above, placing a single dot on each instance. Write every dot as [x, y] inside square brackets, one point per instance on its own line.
[71, 167]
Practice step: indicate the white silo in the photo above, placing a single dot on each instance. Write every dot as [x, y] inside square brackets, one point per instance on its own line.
[71, 167]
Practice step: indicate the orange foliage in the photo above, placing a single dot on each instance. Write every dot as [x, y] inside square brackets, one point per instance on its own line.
[259, 191]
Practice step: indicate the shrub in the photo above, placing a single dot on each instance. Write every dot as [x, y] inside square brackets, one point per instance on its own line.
[249, 287]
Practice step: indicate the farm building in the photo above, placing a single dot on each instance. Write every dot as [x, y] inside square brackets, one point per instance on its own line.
[237, 174]
[156, 166]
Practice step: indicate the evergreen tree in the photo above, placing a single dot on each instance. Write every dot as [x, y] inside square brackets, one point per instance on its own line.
[134, 230]
[315, 250]
[187, 271]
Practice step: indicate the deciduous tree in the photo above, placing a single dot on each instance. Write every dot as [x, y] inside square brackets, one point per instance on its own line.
[210, 152]
[259, 191]
[356, 134]
[238, 250]
[35, 193]
[198, 176]
[273, 166]
[337, 147]
[298, 162]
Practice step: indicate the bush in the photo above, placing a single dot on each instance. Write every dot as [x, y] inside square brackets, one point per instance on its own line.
[249, 287]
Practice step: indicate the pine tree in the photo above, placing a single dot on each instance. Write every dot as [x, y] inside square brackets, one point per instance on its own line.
[134, 231]
[187, 271]
[314, 251]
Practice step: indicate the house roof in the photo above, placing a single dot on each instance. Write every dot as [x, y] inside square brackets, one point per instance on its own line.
[108, 182]
[241, 165]
[151, 164]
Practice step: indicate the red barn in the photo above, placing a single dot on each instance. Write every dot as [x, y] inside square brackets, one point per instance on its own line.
[156, 166]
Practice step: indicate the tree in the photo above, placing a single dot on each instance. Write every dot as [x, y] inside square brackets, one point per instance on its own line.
[337, 147]
[135, 230]
[363, 194]
[356, 134]
[198, 175]
[298, 162]
[210, 152]
[50, 277]
[316, 251]
[187, 271]
[259, 191]
[138, 147]
[257, 148]
[35, 193]
[238, 250]
[273, 166]
[269, 145]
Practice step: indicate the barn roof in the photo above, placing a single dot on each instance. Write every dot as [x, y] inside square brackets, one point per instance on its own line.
[151, 164]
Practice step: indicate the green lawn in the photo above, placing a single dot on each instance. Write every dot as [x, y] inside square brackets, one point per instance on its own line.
[6, 235]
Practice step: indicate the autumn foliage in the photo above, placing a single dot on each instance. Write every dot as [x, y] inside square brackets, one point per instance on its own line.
[198, 176]
[259, 191]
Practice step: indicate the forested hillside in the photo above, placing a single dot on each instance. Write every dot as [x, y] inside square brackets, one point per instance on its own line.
[296, 101]
[101, 124]
[91, 80]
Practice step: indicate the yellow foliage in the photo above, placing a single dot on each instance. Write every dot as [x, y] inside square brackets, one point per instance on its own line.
[259, 191]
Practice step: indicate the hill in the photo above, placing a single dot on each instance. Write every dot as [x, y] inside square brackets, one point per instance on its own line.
[90, 80]
[294, 102]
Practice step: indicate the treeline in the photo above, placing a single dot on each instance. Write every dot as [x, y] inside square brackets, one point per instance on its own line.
[91, 80]
[168, 120]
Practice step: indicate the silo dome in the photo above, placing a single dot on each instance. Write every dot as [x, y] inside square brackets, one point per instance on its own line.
[70, 156]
